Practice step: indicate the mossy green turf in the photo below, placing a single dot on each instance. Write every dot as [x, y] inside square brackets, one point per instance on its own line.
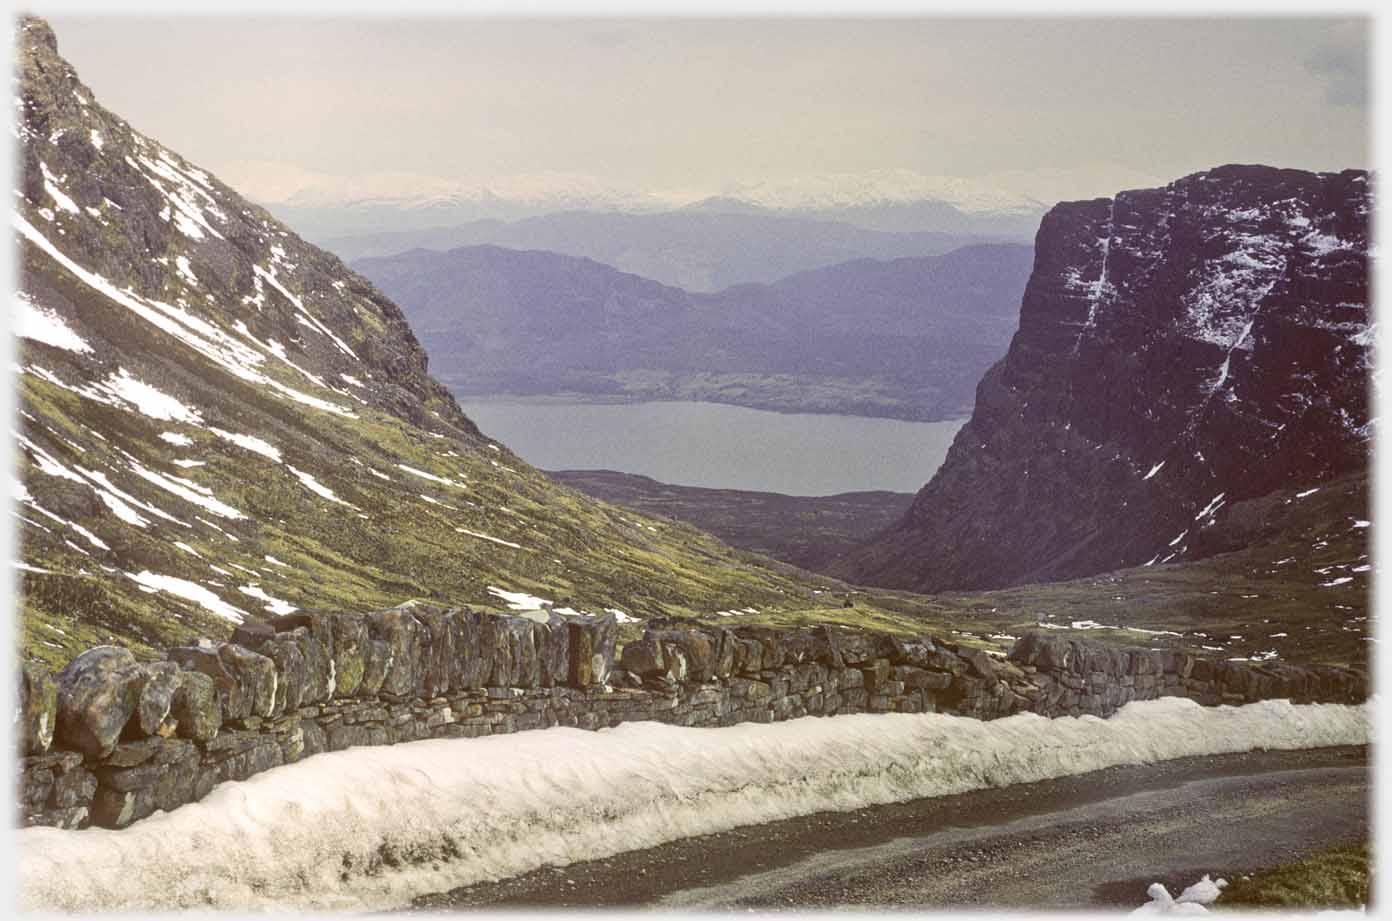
[1337, 878]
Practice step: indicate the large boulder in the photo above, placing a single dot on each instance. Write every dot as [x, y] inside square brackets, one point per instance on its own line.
[97, 693]
[38, 709]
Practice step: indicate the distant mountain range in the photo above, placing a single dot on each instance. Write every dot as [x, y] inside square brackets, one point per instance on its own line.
[696, 249]
[325, 208]
[1181, 349]
[906, 338]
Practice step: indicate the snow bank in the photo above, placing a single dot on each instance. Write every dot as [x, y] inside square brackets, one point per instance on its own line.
[373, 827]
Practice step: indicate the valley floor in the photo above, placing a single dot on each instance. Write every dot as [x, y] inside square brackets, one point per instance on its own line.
[1090, 840]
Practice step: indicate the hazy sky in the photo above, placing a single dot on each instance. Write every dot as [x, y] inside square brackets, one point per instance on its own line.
[700, 103]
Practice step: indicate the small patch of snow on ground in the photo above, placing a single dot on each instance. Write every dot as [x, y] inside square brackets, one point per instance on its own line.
[519, 601]
[273, 604]
[314, 486]
[174, 438]
[150, 401]
[496, 540]
[190, 591]
[250, 442]
[426, 475]
[1153, 471]
[39, 324]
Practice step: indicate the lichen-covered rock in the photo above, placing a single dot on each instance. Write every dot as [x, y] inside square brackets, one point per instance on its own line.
[38, 709]
[166, 780]
[644, 657]
[377, 661]
[437, 650]
[404, 636]
[521, 644]
[349, 632]
[255, 673]
[592, 641]
[152, 713]
[234, 701]
[553, 648]
[196, 706]
[97, 693]
[284, 650]
[472, 663]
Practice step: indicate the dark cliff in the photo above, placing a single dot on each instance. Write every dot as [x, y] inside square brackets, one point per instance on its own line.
[1179, 349]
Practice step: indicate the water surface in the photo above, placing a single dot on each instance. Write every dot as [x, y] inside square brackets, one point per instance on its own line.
[711, 444]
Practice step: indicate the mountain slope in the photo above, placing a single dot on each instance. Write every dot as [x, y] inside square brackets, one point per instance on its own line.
[803, 530]
[1180, 349]
[695, 249]
[907, 338]
[218, 420]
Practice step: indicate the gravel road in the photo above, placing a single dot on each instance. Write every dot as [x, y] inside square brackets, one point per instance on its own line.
[1095, 840]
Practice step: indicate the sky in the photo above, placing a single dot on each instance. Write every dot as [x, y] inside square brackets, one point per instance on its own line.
[1048, 108]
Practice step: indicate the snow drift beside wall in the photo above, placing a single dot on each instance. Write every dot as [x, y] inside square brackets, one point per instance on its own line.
[371, 828]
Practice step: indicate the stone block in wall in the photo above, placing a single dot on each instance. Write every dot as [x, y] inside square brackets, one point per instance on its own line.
[644, 657]
[255, 673]
[521, 644]
[195, 707]
[916, 651]
[377, 661]
[749, 655]
[56, 789]
[770, 643]
[167, 779]
[592, 641]
[348, 633]
[158, 684]
[37, 713]
[876, 674]
[284, 650]
[404, 637]
[920, 678]
[698, 650]
[726, 646]
[437, 650]
[234, 701]
[96, 694]
[471, 664]
[553, 650]
[853, 647]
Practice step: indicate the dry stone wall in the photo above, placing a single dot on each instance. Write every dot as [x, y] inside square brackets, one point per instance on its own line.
[109, 740]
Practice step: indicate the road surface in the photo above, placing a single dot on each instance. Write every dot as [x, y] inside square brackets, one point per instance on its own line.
[1093, 840]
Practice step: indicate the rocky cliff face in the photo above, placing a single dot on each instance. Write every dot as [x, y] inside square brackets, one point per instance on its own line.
[1179, 349]
[219, 421]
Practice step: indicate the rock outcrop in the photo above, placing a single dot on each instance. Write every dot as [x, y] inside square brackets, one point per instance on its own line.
[1180, 349]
